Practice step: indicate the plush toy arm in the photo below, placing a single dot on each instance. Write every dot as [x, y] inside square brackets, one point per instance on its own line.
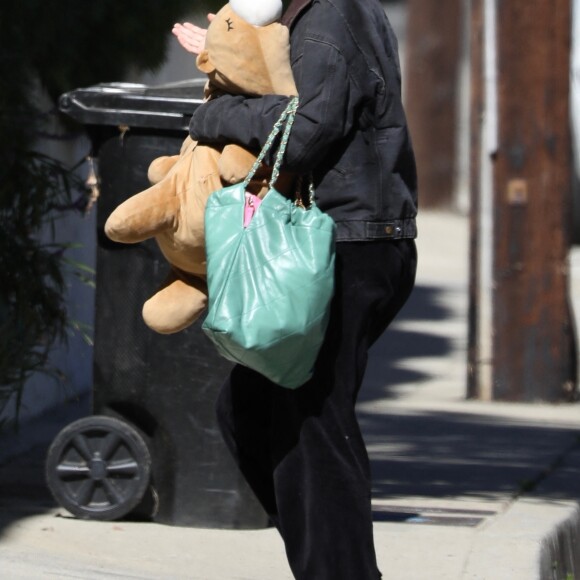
[235, 164]
[143, 216]
[161, 166]
[154, 210]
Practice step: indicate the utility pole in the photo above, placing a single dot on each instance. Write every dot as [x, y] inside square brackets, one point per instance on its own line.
[521, 335]
[431, 94]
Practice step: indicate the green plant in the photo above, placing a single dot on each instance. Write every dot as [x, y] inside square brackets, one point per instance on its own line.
[35, 191]
[46, 49]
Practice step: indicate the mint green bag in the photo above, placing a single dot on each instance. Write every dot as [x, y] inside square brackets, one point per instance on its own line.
[270, 283]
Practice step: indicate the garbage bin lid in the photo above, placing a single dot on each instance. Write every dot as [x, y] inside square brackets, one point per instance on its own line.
[167, 106]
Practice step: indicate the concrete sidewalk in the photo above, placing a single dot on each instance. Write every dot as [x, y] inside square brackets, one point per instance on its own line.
[462, 490]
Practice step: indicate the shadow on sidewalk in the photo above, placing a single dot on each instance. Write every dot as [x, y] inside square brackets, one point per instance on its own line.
[445, 455]
[23, 489]
[384, 372]
[426, 454]
[438, 455]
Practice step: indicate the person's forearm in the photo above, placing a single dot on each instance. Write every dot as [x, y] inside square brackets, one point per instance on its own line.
[236, 119]
[324, 115]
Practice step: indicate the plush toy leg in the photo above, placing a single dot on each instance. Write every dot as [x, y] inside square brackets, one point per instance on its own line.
[177, 305]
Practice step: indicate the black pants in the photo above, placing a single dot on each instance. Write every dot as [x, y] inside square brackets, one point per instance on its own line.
[302, 451]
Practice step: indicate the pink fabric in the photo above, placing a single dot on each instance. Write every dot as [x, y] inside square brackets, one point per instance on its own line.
[251, 207]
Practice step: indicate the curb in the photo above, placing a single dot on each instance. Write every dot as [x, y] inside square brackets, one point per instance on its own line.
[537, 536]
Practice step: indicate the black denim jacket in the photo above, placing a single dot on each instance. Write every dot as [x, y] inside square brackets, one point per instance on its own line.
[350, 128]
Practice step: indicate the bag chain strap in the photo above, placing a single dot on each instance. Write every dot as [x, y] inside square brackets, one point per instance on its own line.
[286, 119]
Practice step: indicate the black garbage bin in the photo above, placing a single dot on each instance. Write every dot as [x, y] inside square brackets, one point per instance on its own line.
[152, 446]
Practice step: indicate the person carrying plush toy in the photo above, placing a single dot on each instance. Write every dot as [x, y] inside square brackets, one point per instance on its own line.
[302, 450]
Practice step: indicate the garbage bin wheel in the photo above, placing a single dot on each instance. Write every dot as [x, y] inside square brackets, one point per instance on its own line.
[98, 468]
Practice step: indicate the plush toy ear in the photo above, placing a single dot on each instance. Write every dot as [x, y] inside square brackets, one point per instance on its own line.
[258, 13]
[203, 62]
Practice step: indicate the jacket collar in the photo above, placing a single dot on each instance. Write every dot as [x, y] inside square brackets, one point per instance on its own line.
[293, 11]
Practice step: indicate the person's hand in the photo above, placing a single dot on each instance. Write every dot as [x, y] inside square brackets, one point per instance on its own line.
[191, 37]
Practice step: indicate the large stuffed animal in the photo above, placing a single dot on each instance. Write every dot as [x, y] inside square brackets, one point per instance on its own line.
[246, 52]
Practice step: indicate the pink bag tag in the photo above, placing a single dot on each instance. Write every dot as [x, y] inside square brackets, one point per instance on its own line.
[250, 207]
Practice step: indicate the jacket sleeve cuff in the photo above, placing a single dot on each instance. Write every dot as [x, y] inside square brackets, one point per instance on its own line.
[205, 125]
